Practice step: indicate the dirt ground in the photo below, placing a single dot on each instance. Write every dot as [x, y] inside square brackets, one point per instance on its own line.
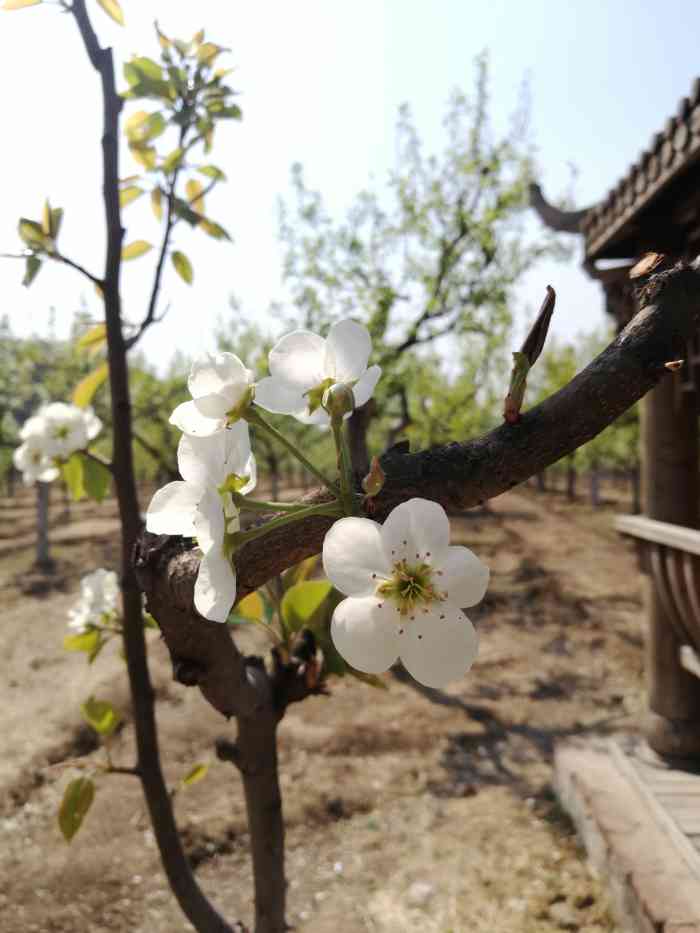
[407, 809]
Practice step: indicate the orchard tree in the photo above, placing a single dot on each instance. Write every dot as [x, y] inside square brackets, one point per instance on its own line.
[385, 541]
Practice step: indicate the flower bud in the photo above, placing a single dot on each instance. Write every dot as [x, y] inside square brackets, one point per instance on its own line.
[339, 400]
[373, 483]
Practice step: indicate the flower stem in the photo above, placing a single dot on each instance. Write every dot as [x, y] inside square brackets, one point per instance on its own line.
[331, 509]
[252, 416]
[257, 505]
[344, 465]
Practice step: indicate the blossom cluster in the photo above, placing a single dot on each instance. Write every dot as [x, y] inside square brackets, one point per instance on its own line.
[405, 585]
[97, 604]
[51, 435]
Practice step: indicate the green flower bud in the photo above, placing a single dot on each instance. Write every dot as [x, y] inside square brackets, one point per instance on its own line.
[339, 400]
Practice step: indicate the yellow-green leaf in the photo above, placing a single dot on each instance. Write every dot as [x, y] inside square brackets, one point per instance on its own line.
[213, 229]
[194, 189]
[305, 604]
[196, 773]
[96, 478]
[156, 203]
[32, 233]
[198, 37]
[136, 249]
[183, 266]
[252, 607]
[172, 160]
[208, 52]
[112, 8]
[72, 474]
[77, 799]
[127, 195]
[18, 4]
[144, 155]
[86, 388]
[46, 218]
[212, 171]
[93, 339]
[32, 267]
[100, 715]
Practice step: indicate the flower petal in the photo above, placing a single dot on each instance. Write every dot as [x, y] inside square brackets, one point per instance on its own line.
[464, 577]
[353, 557]
[207, 461]
[213, 405]
[438, 646]
[211, 373]
[190, 420]
[365, 633]
[417, 529]
[215, 588]
[209, 521]
[279, 397]
[172, 510]
[348, 346]
[298, 359]
[365, 386]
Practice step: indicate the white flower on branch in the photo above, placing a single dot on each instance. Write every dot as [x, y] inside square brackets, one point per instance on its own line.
[99, 592]
[221, 388]
[201, 506]
[304, 366]
[32, 461]
[54, 433]
[406, 589]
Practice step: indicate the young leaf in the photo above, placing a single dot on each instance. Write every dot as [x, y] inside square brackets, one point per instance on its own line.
[101, 716]
[18, 4]
[252, 607]
[56, 218]
[299, 572]
[143, 154]
[46, 218]
[112, 8]
[77, 799]
[213, 229]
[96, 478]
[172, 160]
[303, 605]
[212, 171]
[93, 339]
[136, 249]
[127, 195]
[146, 67]
[183, 266]
[72, 473]
[86, 388]
[156, 204]
[32, 233]
[196, 773]
[90, 642]
[194, 189]
[31, 270]
[208, 52]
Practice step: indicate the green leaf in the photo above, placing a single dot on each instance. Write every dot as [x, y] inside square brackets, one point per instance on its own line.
[77, 800]
[112, 8]
[213, 229]
[156, 203]
[101, 716]
[90, 642]
[299, 572]
[46, 219]
[32, 234]
[145, 155]
[136, 249]
[207, 52]
[196, 773]
[96, 478]
[252, 607]
[304, 604]
[127, 195]
[93, 339]
[72, 473]
[142, 126]
[182, 209]
[149, 621]
[147, 68]
[172, 160]
[32, 268]
[56, 220]
[183, 266]
[194, 189]
[86, 388]
[219, 111]
[212, 171]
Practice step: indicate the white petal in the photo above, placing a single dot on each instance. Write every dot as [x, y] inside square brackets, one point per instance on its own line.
[209, 460]
[189, 419]
[213, 405]
[348, 347]
[298, 359]
[417, 530]
[365, 633]
[353, 557]
[464, 577]
[364, 387]
[172, 510]
[210, 374]
[209, 521]
[215, 588]
[279, 397]
[438, 646]
[48, 473]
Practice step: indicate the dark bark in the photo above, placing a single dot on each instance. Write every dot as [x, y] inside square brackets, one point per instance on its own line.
[192, 901]
[594, 480]
[571, 479]
[43, 554]
[541, 481]
[358, 426]
[636, 490]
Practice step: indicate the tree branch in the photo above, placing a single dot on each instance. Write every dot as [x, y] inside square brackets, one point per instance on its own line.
[458, 475]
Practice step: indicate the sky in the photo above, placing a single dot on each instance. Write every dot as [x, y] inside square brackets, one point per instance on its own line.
[320, 83]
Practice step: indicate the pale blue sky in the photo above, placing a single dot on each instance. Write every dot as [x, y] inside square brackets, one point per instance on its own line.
[320, 82]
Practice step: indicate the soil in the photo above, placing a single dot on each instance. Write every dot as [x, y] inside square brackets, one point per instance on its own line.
[407, 809]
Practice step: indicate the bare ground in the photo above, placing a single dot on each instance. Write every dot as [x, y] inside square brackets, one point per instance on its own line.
[407, 809]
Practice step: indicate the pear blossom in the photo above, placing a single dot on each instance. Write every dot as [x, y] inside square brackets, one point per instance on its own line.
[303, 366]
[220, 387]
[32, 461]
[200, 506]
[66, 428]
[406, 587]
[99, 592]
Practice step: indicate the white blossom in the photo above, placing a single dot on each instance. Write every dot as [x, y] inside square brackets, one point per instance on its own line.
[303, 366]
[67, 428]
[406, 588]
[197, 506]
[99, 592]
[32, 461]
[220, 387]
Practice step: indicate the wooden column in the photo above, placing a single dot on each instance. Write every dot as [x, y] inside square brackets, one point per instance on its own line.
[669, 441]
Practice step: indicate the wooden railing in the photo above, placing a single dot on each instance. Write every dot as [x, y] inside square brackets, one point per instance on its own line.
[671, 554]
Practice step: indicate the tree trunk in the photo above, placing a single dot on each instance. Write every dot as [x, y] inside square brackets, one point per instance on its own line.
[636, 490]
[571, 479]
[595, 486]
[358, 425]
[540, 481]
[43, 557]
